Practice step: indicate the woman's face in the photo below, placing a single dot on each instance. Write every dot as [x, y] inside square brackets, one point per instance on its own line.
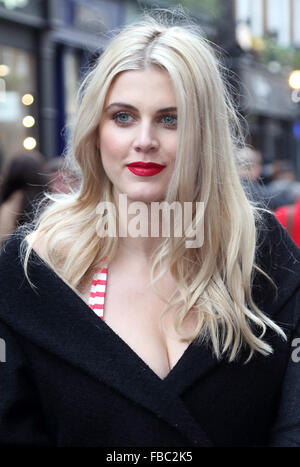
[139, 124]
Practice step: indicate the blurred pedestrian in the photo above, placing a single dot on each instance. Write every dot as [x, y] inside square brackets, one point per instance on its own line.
[23, 183]
[283, 189]
[250, 164]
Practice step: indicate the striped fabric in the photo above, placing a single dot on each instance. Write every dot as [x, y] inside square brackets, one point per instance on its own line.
[97, 292]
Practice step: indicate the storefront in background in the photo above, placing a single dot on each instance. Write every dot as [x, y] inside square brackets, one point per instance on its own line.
[18, 101]
[45, 48]
[20, 23]
[267, 104]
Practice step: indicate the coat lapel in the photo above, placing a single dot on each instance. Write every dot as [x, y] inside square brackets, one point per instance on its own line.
[55, 318]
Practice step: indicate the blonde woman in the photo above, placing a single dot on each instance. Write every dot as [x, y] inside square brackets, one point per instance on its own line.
[120, 339]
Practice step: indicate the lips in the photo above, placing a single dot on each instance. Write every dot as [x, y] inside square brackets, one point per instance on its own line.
[145, 169]
[145, 165]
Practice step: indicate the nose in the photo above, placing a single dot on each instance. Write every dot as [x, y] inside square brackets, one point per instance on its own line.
[145, 140]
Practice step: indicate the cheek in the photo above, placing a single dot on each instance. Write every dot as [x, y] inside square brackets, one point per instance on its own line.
[111, 142]
[172, 147]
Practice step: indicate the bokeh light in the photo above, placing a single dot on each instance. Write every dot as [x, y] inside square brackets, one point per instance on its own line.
[28, 121]
[28, 99]
[4, 70]
[29, 143]
[294, 79]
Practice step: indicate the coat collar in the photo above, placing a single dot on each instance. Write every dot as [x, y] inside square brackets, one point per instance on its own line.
[56, 319]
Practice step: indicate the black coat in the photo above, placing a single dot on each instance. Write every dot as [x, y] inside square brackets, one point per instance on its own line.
[70, 380]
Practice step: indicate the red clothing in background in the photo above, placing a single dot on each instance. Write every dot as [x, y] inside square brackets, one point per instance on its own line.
[294, 222]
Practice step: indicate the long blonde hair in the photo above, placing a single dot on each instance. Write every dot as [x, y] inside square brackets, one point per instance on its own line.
[215, 280]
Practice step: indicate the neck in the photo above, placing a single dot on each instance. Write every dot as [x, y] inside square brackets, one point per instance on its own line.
[136, 238]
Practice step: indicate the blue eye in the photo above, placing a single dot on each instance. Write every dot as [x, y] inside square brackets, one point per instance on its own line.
[170, 120]
[122, 117]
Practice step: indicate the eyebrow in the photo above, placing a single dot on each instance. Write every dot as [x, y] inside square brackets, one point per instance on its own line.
[131, 107]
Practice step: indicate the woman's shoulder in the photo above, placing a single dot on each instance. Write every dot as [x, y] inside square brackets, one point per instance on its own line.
[274, 243]
[30, 297]
[25, 289]
[279, 257]
[11, 273]
[12, 257]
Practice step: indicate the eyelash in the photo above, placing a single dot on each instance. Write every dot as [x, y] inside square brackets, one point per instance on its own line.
[115, 116]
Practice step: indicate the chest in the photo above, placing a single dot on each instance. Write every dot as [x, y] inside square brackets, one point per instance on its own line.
[133, 310]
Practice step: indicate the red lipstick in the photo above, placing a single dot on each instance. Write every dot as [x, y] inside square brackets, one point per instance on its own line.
[145, 169]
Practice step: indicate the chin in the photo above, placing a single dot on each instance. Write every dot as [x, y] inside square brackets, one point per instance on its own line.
[146, 197]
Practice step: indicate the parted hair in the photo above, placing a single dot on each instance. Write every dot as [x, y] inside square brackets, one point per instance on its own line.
[215, 280]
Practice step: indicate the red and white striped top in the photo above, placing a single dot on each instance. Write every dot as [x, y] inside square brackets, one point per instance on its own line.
[97, 292]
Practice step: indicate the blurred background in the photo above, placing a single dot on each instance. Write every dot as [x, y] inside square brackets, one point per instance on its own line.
[46, 47]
